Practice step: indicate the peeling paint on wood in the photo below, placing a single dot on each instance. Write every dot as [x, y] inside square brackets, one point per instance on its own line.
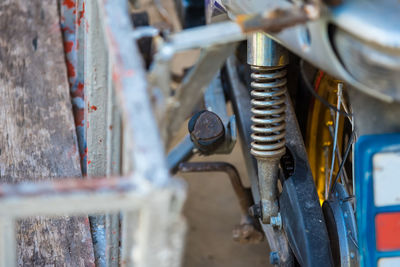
[37, 136]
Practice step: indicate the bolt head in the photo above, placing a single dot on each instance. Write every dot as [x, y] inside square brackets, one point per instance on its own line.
[276, 221]
[206, 130]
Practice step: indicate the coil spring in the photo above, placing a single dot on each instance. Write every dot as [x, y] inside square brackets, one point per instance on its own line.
[268, 108]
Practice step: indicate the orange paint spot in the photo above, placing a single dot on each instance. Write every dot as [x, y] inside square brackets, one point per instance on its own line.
[68, 46]
[79, 116]
[79, 90]
[71, 69]
[81, 86]
[81, 14]
[69, 3]
[89, 161]
[110, 127]
[93, 108]
[68, 29]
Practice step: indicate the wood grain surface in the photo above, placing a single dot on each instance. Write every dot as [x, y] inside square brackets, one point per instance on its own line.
[37, 133]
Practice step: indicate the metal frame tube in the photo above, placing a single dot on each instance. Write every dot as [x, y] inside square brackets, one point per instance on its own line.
[263, 51]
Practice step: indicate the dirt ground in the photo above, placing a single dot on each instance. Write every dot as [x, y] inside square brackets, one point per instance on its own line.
[212, 212]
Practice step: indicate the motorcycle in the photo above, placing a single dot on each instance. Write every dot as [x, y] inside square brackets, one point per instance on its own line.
[313, 86]
[314, 91]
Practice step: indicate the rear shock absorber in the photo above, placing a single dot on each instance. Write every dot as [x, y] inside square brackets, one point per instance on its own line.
[268, 62]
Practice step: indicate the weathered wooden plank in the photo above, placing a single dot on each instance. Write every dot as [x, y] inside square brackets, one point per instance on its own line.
[37, 134]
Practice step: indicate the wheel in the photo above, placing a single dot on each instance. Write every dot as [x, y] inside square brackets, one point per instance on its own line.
[329, 138]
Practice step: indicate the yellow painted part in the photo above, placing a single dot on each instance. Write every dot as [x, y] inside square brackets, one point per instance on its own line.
[319, 142]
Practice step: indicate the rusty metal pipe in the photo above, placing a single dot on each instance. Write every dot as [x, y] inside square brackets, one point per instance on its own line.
[242, 193]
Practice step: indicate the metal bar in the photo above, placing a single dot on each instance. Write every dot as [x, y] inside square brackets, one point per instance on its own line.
[8, 245]
[193, 86]
[205, 36]
[131, 86]
[128, 240]
[278, 18]
[214, 99]
[112, 239]
[113, 168]
[113, 129]
[243, 194]
[181, 152]
[209, 36]
[96, 69]
[151, 234]
[158, 232]
[74, 196]
[73, 26]
[229, 32]
[96, 104]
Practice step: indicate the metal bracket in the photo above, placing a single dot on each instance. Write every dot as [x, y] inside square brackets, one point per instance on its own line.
[214, 100]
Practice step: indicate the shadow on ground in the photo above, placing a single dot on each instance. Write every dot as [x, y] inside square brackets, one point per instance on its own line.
[212, 212]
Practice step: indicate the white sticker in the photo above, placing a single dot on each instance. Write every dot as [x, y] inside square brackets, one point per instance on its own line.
[386, 178]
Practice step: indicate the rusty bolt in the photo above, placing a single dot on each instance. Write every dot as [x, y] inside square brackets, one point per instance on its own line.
[206, 130]
[276, 221]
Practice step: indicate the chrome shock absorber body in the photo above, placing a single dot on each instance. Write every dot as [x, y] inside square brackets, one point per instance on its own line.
[268, 62]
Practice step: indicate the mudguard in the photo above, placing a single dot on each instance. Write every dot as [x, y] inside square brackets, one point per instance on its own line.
[301, 213]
